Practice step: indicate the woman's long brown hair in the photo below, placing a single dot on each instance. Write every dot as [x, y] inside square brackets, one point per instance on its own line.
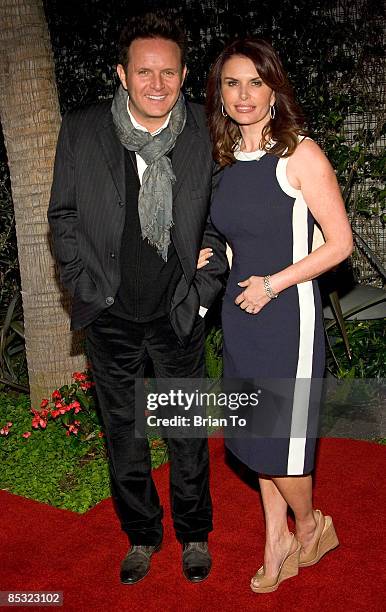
[288, 123]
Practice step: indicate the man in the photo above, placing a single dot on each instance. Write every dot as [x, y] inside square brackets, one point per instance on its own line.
[128, 215]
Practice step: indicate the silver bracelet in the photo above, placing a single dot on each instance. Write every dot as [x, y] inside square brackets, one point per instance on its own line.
[268, 289]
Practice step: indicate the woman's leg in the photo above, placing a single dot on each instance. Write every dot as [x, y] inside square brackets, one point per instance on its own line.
[277, 494]
[297, 492]
[278, 538]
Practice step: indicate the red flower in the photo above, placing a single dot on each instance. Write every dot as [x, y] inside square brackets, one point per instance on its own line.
[79, 376]
[4, 431]
[55, 413]
[44, 403]
[39, 419]
[87, 385]
[76, 406]
[26, 434]
[56, 395]
[60, 408]
[101, 434]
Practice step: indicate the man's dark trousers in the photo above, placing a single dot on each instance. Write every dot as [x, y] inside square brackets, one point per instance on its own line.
[118, 349]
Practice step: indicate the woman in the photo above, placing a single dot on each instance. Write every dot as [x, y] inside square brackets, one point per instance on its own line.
[275, 185]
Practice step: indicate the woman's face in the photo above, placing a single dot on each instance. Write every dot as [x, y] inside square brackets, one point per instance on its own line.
[246, 97]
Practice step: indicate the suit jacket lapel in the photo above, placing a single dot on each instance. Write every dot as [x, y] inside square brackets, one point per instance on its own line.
[186, 146]
[113, 153]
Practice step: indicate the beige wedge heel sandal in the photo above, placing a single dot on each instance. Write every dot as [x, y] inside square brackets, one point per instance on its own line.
[289, 567]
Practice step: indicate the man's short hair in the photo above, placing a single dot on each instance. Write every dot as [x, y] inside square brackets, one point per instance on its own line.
[151, 25]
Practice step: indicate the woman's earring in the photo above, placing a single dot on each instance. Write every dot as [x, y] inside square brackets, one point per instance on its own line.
[272, 111]
[223, 111]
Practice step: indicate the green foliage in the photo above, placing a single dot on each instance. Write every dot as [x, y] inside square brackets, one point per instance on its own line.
[159, 451]
[213, 353]
[47, 466]
[62, 470]
[367, 340]
[322, 52]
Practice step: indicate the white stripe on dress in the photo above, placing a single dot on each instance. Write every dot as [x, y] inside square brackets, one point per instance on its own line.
[298, 435]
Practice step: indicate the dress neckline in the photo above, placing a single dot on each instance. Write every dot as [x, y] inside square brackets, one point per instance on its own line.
[249, 155]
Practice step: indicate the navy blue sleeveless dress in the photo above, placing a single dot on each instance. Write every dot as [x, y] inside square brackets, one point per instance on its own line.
[268, 226]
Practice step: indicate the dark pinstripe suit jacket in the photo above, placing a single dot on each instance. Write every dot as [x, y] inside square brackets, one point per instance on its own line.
[87, 213]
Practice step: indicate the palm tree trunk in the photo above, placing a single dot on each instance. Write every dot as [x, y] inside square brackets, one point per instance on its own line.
[30, 117]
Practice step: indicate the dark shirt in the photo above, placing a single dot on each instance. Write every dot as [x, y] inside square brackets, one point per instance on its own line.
[147, 281]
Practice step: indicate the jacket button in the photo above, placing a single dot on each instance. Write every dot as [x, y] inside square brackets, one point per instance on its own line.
[109, 300]
[120, 203]
[112, 255]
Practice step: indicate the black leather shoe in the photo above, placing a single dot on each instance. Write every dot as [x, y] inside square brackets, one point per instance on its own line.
[196, 561]
[136, 564]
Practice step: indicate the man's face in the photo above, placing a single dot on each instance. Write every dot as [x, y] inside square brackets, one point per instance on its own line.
[153, 79]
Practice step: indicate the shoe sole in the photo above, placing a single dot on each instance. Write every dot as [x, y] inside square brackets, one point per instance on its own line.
[136, 581]
[195, 580]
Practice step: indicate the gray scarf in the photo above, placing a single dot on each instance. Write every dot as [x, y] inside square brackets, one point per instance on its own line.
[155, 196]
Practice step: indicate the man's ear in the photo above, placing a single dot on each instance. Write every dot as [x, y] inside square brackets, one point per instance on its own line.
[122, 75]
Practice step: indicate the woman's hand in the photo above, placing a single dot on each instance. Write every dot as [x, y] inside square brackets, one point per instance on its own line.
[253, 298]
[203, 258]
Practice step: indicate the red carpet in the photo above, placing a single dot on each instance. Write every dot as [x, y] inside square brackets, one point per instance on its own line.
[43, 548]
